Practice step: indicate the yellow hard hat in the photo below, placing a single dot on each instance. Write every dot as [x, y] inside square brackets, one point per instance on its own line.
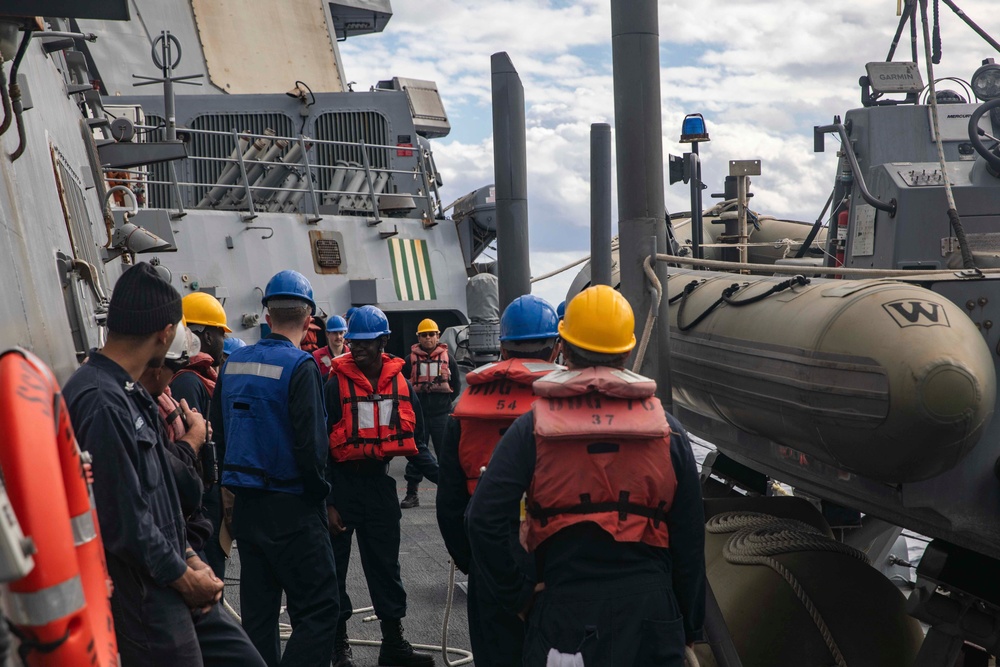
[205, 309]
[599, 319]
[428, 326]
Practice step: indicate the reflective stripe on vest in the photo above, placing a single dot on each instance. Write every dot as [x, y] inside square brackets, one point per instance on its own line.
[254, 368]
[46, 605]
[366, 412]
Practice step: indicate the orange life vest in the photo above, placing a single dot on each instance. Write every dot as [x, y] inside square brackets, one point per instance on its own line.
[310, 342]
[201, 365]
[429, 372]
[376, 423]
[324, 359]
[64, 602]
[602, 455]
[498, 394]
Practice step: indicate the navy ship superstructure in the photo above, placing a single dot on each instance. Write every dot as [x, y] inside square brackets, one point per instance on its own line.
[223, 183]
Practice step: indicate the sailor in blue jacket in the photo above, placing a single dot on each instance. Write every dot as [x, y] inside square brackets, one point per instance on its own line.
[270, 423]
[159, 581]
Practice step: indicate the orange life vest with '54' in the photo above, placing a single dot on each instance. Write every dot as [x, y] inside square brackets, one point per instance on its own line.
[602, 455]
[376, 423]
[498, 394]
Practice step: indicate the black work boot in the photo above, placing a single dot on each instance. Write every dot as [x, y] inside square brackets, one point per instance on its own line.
[341, 649]
[396, 651]
[410, 500]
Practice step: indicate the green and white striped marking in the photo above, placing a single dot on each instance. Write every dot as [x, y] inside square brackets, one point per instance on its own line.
[411, 269]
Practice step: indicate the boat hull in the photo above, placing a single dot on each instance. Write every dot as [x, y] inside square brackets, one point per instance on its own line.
[877, 377]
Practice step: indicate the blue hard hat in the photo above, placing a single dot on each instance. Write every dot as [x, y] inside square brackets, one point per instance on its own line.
[366, 323]
[336, 323]
[529, 317]
[231, 344]
[350, 313]
[291, 284]
[561, 310]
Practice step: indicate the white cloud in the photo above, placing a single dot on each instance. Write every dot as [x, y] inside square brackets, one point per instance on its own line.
[762, 71]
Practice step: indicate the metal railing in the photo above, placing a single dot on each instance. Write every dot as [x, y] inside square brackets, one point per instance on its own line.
[271, 173]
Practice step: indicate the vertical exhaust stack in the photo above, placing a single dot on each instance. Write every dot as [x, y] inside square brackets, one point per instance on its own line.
[511, 174]
[600, 204]
[639, 141]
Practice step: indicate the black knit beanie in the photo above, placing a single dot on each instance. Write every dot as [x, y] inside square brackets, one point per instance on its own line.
[143, 302]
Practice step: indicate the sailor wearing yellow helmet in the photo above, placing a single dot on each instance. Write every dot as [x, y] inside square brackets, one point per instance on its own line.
[195, 383]
[434, 375]
[614, 508]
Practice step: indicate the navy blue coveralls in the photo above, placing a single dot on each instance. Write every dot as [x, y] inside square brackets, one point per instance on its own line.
[437, 407]
[190, 388]
[269, 410]
[496, 634]
[139, 513]
[617, 603]
[365, 497]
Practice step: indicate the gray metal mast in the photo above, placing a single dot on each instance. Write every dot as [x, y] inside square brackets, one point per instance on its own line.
[511, 175]
[636, 55]
[600, 204]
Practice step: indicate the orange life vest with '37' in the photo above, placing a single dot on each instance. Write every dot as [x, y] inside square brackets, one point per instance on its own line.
[376, 423]
[602, 455]
[498, 394]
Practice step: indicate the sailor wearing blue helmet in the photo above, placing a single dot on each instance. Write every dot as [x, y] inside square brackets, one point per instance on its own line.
[270, 426]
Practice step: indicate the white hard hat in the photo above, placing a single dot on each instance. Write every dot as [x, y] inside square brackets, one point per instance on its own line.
[185, 345]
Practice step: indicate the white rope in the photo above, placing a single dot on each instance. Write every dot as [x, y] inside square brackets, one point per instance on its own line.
[577, 262]
[444, 625]
[762, 244]
[654, 308]
[569, 266]
[932, 97]
[811, 270]
[465, 656]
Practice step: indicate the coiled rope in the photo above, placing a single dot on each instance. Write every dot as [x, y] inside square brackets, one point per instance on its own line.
[758, 537]
[465, 657]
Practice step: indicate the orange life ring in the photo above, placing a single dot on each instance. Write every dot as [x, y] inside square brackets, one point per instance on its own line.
[61, 609]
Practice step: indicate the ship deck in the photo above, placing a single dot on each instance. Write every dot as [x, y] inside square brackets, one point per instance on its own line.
[424, 564]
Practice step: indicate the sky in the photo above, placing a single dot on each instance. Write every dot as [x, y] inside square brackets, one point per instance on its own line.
[762, 72]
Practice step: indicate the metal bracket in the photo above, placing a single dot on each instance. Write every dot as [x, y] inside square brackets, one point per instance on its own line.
[385, 235]
[744, 167]
[949, 245]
